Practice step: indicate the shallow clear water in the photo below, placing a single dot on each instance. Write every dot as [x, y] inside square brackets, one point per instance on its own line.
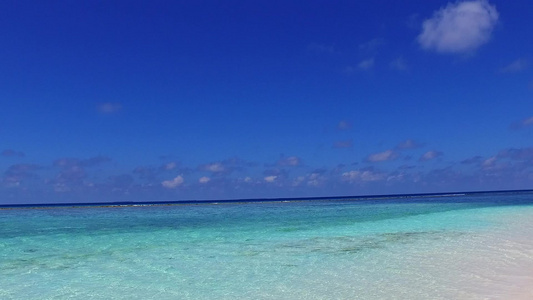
[440, 248]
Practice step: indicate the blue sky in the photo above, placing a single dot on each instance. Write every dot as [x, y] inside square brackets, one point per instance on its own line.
[180, 100]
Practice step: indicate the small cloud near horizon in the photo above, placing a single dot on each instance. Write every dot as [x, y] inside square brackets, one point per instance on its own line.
[270, 178]
[15, 174]
[489, 162]
[173, 183]
[472, 160]
[359, 176]
[460, 27]
[215, 167]
[408, 144]
[430, 155]
[204, 179]
[226, 166]
[382, 156]
[291, 161]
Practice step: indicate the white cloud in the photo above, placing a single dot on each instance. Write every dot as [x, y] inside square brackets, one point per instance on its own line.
[170, 166]
[298, 180]
[315, 179]
[17, 173]
[382, 156]
[366, 64]
[489, 162]
[430, 155]
[292, 161]
[214, 167]
[459, 27]
[109, 108]
[61, 187]
[204, 179]
[396, 177]
[516, 66]
[173, 183]
[271, 178]
[362, 176]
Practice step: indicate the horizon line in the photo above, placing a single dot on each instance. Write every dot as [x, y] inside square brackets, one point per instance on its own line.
[254, 200]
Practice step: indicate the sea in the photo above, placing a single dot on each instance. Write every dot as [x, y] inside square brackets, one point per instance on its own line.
[446, 246]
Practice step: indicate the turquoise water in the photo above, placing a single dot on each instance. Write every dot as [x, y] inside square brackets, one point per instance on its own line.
[439, 248]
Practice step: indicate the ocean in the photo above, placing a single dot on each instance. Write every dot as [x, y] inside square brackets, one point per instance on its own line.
[477, 246]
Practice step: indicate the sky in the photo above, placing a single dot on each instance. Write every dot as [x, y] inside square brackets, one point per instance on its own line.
[105, 101]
